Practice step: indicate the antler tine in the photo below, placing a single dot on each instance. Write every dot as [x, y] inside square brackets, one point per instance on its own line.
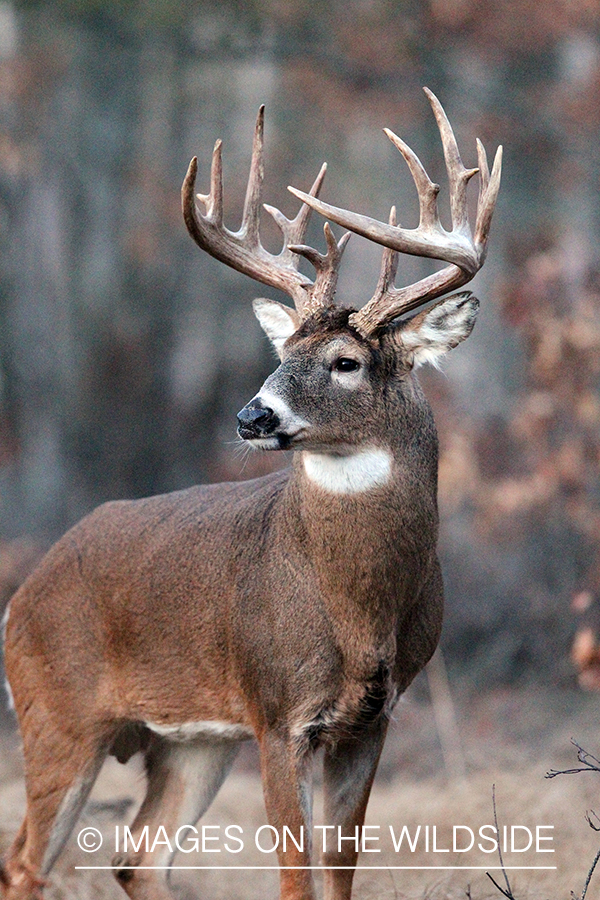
[484, 169]
[251, 216]
[213, 202]
[188, 203]
[389, 265]
[426, 189]
[326, 266]
[293, 230]
[242, 250]
[300, 223]
[488, 194]
[458, 176]
[216, 184]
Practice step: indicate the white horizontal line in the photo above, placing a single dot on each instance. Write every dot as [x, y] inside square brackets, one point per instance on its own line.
[323, 868]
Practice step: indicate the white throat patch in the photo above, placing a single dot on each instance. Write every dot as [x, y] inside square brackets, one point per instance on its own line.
[351, 474]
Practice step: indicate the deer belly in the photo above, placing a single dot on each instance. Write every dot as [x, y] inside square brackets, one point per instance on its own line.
[211, 730]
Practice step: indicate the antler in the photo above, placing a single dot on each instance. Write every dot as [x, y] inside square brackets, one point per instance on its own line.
[465, 252]
[242, 250]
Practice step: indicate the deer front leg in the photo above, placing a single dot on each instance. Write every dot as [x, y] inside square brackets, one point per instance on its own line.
[348, 773]
[287, 787]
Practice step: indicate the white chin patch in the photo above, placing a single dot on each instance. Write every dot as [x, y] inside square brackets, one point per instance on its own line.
[268, 443]
[351, 474]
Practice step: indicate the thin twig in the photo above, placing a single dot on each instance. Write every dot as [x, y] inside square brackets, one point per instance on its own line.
[508, 887]
[588, 816]
[501, 889]
[589, 763]
[589, 876]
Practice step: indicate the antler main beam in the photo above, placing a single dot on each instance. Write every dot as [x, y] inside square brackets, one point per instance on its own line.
[243, 251]
[463, 251]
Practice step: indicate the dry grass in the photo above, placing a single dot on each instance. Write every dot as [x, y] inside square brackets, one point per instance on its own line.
[510, 739]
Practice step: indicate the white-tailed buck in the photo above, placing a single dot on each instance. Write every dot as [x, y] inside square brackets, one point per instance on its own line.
[294, 608]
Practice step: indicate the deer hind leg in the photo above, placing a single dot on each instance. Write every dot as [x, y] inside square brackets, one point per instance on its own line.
[59, 775]
[348, 773]
[183, 779]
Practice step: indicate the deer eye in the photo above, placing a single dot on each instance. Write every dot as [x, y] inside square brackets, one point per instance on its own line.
[345, 364]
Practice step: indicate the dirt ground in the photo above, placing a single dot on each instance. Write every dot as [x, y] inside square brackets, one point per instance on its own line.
[509, 739]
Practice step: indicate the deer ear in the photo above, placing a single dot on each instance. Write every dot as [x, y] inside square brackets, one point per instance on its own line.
[276, 320]
[430, 334]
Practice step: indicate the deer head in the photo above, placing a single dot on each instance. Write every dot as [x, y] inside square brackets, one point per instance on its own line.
[334, 353]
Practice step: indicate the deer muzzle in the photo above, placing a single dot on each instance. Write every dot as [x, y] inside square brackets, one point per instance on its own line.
[257, 421]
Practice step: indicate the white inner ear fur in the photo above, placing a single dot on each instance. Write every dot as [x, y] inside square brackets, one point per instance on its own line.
[430, 335]
[278, 322]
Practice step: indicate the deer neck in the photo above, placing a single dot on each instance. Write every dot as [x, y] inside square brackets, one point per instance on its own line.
[348, 515]
[357, 517]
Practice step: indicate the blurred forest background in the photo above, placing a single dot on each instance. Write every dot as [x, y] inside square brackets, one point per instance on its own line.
[125, 352]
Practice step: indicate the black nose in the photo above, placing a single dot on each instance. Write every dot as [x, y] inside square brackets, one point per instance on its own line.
[256, 420]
